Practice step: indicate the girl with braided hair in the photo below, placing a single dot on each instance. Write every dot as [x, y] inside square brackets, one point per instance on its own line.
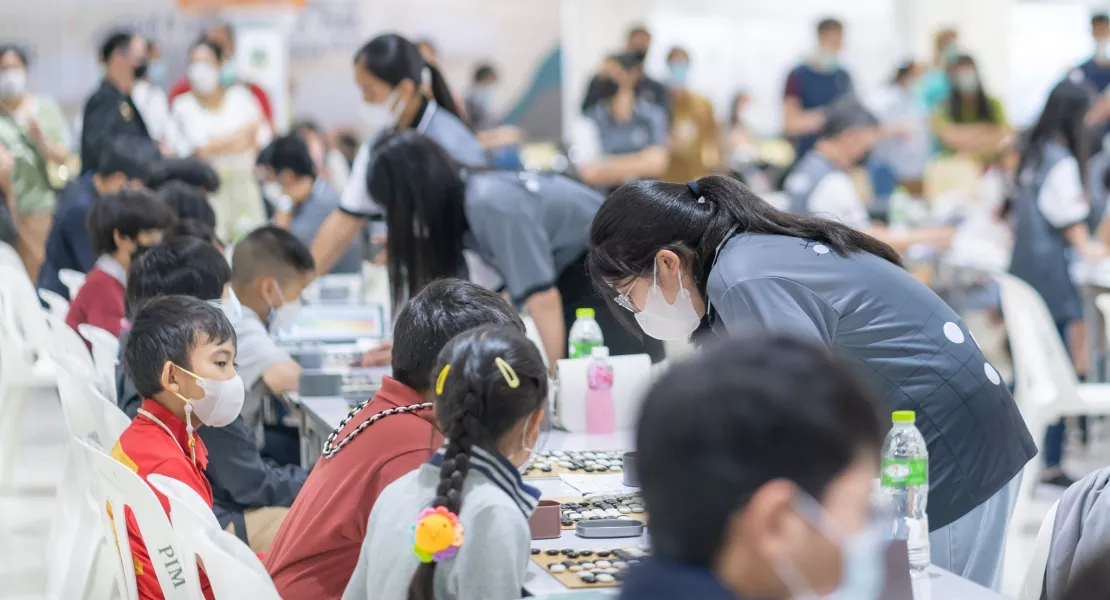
[468, 507]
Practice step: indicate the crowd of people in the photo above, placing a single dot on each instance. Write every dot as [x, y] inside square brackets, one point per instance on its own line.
[757, 455]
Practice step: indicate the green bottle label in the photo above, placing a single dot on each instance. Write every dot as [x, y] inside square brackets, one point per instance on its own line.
[905, 473]
[583, 349]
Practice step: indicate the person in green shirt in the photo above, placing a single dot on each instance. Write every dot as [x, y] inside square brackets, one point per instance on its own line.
[970, 122]
[33, 131]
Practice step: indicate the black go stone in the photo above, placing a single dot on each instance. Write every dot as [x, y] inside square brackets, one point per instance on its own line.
[603, 553]
[552, 552]
[545, 469]
[589, 579]
[535, 550]
[572, 554]
[588, 469]
[565, 523]
[566, 551]
[585, 553]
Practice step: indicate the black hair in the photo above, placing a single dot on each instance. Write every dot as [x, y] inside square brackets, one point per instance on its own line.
[118, 40]
[638, 30]
[188, 202]
[643, 217]
[757, 408]
[300, 127]
[129, 212]
[984, 112]
[1061, 119]
[192, 171]
[675, 50]
[483, 72]
[194, 228]
[179, 265]
[19, 52]
[1100, 19]
[421, 191]
[846, 114]
[829, 25]
[167, 329]
[265, 156]
[133, 157]
[290, 152]
[477, 408]
[393, 59]
[203, 42]
[904, 70]
[270, 251]
[442, 310]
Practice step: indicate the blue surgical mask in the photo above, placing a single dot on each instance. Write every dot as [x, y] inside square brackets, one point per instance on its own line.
[679, 72]
[156, 73]
[828, 60]
[228, 74]
[482, 95]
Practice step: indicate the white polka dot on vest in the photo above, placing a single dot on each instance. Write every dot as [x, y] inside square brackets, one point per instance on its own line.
[953, 332]
[821, 249]
[991, 373]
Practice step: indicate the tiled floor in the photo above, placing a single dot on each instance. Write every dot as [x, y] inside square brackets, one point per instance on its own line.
[24, 515]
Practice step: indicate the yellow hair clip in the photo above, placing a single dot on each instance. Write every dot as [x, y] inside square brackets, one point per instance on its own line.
[442, 379]
[507, 372]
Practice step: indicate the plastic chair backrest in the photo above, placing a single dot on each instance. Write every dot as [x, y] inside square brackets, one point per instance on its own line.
[1042, 366]
[73, 280]
[1033, 585]
[189, 514]
[59, 306]
[67, 344]
[24, 315]
[116, 487]
[232, 568]
[84, 419]
[105, 353]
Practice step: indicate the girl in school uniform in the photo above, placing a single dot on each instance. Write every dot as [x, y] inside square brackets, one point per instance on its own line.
[529, 227]
[1050, 223]
[400, 91]
[457, 527]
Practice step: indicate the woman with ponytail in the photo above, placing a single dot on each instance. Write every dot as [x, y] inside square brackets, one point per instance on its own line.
[400, 91]
[709, 254]
[457, 527]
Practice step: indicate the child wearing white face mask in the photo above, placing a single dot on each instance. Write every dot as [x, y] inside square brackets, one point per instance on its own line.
[180, 353]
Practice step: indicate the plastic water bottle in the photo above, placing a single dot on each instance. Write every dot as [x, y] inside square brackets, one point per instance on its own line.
[600, 417]
[585, 334]
[905, 485]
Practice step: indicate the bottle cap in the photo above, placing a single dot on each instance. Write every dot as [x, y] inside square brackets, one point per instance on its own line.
[903, 416]
[585, 313]
[599, 352]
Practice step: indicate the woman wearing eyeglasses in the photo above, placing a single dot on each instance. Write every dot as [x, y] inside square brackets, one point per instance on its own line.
[711, 255]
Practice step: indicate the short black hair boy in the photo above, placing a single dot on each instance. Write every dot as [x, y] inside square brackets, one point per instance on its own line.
[188, 202]
[125, 214]
[180, 265]
[290, 153]
[192, 171]
[270, 252]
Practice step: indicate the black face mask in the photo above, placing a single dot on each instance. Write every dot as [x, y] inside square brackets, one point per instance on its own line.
[863, 159]
[640, 55]
[606, 87]
[140, 70]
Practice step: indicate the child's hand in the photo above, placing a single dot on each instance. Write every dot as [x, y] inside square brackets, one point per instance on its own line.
[378, 356]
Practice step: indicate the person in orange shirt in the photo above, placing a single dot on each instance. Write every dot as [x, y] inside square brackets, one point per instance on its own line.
[180, 354]
[695, 138]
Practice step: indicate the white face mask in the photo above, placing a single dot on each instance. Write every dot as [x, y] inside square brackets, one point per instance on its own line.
[281, 317]
[664, 321]
[381, 116]
[203, 77]
[222, 401]
[13, 82]
[233, 310]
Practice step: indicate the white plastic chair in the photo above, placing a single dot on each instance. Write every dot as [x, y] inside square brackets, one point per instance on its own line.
[73, 280]
[67, 345]
[189, 515]
[105, 353]
[1034, 576]
[116, 487]
[58, 305]
[232, 567]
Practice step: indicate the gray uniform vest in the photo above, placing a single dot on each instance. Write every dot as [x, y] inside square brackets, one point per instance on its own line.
[1040, 255]
[803, 180]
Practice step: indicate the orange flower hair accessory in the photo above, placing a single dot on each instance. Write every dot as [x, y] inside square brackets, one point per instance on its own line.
[437, 535]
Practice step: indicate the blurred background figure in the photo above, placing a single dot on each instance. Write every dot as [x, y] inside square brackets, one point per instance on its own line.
[970, 121]
[646, 88]
[907, 143]
[695, 140]
[33, 133]
[111, 111]
[502, 141]
[150, 98]
[222, 35]
[222, 123]
[813, 86]
[935, 87]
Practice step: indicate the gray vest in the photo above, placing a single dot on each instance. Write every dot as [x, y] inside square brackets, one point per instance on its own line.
[1040, 255]
[803, 180]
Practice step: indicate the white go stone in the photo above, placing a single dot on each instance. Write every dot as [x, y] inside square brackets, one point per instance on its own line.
[620, 564]
[557, 568]
[610, 571]
[574, 568]
[603, 564]
[587, 565]
[953, 332]
[624, 510]
[605, 578]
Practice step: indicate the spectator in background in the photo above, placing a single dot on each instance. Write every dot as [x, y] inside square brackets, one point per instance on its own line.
[813, 86]
[111, 112]
[739, 143]
[907, 142]
[306, 199]
[624, 137]
[33, 131]
[501, 140]
[1096, 70]
[314, 140]
[647, 89]
[8, 234]
[225, 126]
[121, 226]
[935, 87]
[970, 121]
[223, 37]
[123, 164]
[150, 98]
[695, 139]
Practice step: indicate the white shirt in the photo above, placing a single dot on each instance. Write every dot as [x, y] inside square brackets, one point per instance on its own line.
[1062, 199]
[836, 197]
[195, 126]
[907, 156]
[154, 107]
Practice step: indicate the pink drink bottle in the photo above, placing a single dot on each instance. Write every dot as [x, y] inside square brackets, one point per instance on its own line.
[600, 416]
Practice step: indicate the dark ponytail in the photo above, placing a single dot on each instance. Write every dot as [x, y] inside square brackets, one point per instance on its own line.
[393, 59]
[476, 405]
[641, 218]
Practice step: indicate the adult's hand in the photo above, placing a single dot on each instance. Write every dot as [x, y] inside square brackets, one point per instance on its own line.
[378, 356]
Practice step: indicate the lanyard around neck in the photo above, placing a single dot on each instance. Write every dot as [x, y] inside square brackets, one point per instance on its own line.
[159, 423]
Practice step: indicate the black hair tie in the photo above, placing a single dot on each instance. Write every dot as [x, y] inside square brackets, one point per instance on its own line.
[696, 191]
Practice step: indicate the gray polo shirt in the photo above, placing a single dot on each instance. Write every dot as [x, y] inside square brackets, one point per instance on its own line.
[528, 226]
[256, 353]
[647, 127]
[310, 215]
[436, 123]
[912, 349]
